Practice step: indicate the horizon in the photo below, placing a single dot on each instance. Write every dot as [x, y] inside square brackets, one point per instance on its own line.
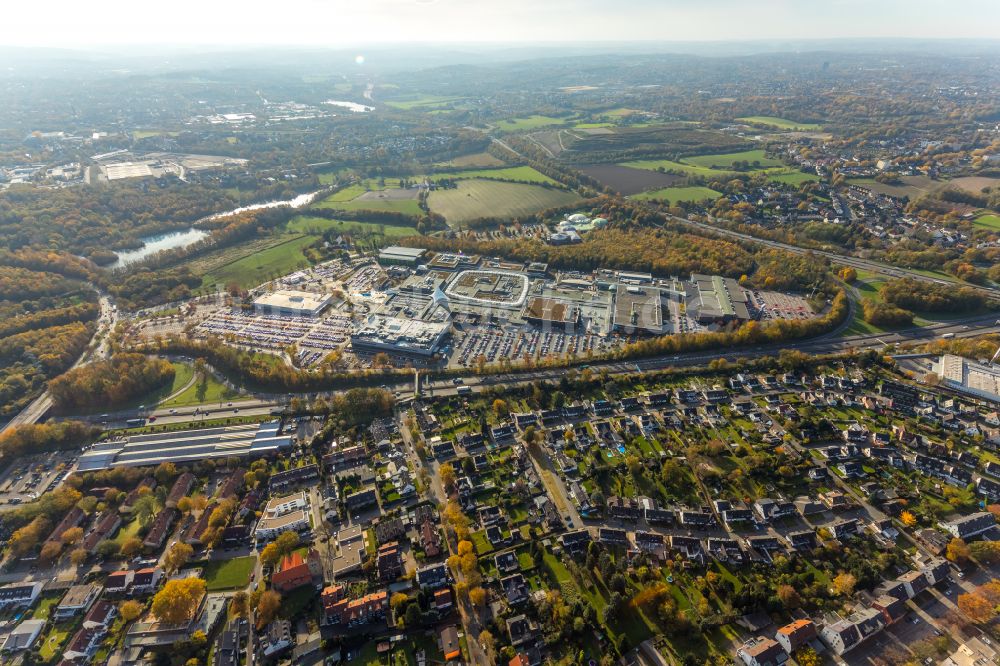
[486, 22]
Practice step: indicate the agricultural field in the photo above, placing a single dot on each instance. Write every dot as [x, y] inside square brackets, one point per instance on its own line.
[489, 198]
[911, 186]
[988, 221]
[369, 196]
[726, 161]
[676, 194]
[792, 177]
[779, 123]
[423, 102]
[521, 174]
[475, 160]
[975, 184]
[307, 224]
[262, 266]
[528, 123]
[628, 180]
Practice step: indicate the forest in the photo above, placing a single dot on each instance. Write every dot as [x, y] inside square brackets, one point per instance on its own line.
[922, 296]
[110, 383]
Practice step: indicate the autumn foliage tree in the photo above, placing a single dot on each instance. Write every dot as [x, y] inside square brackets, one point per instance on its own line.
[178, 600]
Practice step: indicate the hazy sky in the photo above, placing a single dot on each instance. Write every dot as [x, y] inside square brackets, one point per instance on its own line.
[339, 23]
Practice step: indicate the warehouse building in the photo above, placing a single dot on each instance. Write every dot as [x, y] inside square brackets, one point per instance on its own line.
[249, 439]
[969, 377]
[715, 299]
[293, 303]
[395, 255]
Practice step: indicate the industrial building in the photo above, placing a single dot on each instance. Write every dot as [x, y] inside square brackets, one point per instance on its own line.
[715, 299]
[249, 439]
[638, 309]
[401, 256]
[292, 302]
[969, 377]
[547, 312]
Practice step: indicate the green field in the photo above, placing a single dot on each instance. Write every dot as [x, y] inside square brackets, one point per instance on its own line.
[592, 125]
[780, 123]
[675, 194]
[476, 160]
[530, 122]
[489, 198]
[988, 221]
[227, 574]
[521, 174]
[350, 198]
[211, 390]
[793, 177]
[422, 102]
[726, 161]
[307, 224]
[262, 266]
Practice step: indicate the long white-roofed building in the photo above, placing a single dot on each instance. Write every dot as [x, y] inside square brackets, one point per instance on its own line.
[241, 440]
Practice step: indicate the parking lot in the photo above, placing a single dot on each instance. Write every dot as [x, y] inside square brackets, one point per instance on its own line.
[497, 343]
[27, 478]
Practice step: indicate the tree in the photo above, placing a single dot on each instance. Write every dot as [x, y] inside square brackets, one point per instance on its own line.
[270, 555]
[178, 600]
[50, 551]
[25, 539]
[909, 520]
[477, 596]
[72, 535]
[397, 600]
[488, 643]
[447, 475]
[239, 605]
[844, 584]
[130, 610]
[789, 596]
[412, 616]
[130, 547]
[267, 608]
[808, 657]
[178, 555]
[78, 556]
[145, 508]
[500, 407]
[976, 607]
[985, 552]
[958, 551]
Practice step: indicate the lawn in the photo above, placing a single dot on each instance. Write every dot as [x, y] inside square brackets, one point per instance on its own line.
[726, 161]
[779, 123]
[793, 177]
[260, 267]
[307, 224]
[422, 102]
[530, 122]
[675, 194]
[45, 606]
[670, 165]
[227, 574]
[53, 641]
[204, 391]
[477, 198]
[988, 221]
[521, 174]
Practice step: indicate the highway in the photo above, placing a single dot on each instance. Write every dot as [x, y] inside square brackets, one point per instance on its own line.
[853, 262]
[264, 405]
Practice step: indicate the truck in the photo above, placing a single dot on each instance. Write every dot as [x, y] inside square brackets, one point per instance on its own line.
[464, 390]
[947, 336]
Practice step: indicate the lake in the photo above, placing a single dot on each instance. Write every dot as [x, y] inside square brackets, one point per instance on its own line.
[175, 239]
